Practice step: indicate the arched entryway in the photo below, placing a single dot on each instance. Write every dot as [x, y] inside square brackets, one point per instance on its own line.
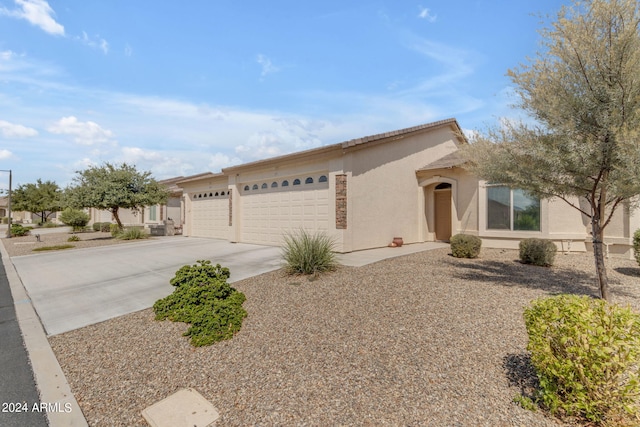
[442, 211]
[439, 222]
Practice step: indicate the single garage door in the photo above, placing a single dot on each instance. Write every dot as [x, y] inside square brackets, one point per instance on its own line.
[210, 214]
[274, 208]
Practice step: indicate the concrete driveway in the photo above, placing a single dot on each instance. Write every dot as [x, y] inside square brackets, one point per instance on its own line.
[72, 289]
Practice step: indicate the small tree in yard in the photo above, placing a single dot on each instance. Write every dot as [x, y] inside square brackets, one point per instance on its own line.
[113, 187]
[583, 91]
[42, 198]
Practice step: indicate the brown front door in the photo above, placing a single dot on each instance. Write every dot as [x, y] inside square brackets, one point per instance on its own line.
[443, 214]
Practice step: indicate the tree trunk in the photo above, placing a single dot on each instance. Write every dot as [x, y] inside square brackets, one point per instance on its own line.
[114, 211]
[598, 253]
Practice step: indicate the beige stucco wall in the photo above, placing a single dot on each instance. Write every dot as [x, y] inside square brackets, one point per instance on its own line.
[464, 200]
[384, 197]
[565, 225]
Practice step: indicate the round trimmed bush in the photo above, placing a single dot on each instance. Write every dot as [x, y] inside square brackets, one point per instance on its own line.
[540, 252]
[585, 352]
[465, 246]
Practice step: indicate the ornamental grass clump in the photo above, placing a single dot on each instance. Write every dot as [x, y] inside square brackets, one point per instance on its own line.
[540, 252]
[586, 353]
[465, 246]
[306, 253]
[133, 233]
[204, 299]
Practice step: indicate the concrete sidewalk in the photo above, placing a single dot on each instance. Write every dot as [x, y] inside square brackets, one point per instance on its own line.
[54, 391]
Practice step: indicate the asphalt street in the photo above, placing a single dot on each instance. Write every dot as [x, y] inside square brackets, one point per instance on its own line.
[18, 392]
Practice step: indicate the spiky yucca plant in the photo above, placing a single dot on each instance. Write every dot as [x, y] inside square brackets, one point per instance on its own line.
[306, 253]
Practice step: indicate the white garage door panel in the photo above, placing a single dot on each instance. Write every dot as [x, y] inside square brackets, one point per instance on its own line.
[266, 217]
[210, 218]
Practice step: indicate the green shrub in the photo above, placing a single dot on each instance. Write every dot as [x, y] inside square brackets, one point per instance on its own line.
[73, 238]
[133, 233]
[465, 246]
[306, 253]
[585, 353]
[96, 226]
[76, 218]
[636, 245]
[538, 252]
[18, 230]
[49, 224]
[115, 230]
[202, 272]
[105, 227]
[204, 299]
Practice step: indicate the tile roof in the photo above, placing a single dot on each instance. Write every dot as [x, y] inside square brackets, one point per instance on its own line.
[400, 132]
[353, 143]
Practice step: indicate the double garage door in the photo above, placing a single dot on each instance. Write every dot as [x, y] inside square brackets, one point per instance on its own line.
[267, 214]
[210, 215]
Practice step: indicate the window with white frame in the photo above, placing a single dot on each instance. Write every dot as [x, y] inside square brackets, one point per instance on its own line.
[152, 213]
[509, 209]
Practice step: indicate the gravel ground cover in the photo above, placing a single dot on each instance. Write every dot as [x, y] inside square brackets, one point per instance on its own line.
[24, 245]
[421, 340]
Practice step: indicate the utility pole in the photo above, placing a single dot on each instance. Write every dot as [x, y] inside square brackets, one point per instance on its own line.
[8, 204]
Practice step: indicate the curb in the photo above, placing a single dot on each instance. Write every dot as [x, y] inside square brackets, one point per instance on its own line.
[63, 409]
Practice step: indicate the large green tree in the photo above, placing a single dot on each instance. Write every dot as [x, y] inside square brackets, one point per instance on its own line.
[114, 187]
[582, 93]
[42, 198]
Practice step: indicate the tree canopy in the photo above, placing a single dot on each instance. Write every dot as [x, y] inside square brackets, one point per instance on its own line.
[112, 187]
[582, 94]
[42, 198]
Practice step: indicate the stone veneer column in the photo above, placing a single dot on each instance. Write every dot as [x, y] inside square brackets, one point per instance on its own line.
[341, 202]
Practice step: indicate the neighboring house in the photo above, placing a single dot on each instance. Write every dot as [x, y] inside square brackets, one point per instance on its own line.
[16, 216]
[408, 183]
[148, 215]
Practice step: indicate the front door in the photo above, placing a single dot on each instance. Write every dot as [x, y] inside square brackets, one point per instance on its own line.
[443, 214]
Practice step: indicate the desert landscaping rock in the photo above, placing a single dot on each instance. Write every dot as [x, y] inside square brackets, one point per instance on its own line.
[424, 339]
[24, 245]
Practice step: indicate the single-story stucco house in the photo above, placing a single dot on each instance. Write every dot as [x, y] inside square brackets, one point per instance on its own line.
[408, 183]
[148, 215]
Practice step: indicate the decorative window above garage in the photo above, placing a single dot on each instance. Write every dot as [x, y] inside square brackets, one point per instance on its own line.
[310, 182]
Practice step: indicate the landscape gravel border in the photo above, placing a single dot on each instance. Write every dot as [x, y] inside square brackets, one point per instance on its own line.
[423, 339]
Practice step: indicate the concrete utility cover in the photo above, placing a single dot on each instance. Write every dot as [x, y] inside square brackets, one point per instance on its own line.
[185, 408]
[75, 288]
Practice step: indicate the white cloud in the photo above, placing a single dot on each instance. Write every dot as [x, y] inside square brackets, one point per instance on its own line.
[219, 161]
[267, 65]
[425, 13]
[5, 154]
[6, 55]
[36, 12]
[128, 50]
[85, 133]
[11, 130]
[96, 42]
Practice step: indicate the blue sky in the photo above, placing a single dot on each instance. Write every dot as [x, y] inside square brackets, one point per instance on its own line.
[180, 88]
